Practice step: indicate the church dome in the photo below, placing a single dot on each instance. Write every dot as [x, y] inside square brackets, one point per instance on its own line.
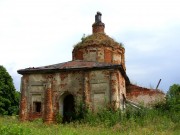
[99, 47]
[100, 39]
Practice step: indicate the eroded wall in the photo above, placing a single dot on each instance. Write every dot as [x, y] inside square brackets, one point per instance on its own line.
[144, 96]
[48, 89]
[99, 53]
[100, 89]
[94, 88]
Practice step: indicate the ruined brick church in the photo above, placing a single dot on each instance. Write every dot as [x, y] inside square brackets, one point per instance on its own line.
[96, 77]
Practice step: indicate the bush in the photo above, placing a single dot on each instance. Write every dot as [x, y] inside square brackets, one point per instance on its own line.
[104, 116]
[59, 118]
[81, 111]
[173, 98]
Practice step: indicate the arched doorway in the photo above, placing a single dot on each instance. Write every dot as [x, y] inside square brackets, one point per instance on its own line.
[68, 108]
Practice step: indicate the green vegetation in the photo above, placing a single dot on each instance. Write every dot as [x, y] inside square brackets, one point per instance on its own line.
[159, 120]
[163, 118]
[173, 98]
[9, 97]
[106, 122]
[98, 39]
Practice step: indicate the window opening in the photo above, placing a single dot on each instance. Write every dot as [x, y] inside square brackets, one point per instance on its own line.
[37, 106]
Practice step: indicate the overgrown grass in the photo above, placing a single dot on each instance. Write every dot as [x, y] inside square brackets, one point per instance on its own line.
[106, 122]
[98, 39]
[9, 126]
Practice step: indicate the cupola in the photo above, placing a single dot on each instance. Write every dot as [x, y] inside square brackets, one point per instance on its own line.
[98, 26]
[99, 47]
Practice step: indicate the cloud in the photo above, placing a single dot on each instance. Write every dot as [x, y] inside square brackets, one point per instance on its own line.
[37, 33]
[153, 55]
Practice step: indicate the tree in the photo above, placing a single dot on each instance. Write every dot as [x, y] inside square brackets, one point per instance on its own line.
[173, 97]
[9, 97]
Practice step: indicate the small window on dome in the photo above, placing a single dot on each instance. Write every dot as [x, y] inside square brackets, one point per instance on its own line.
[79, 55]
[107, 56]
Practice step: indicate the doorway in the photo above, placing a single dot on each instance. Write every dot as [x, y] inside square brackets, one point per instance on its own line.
[68, 108]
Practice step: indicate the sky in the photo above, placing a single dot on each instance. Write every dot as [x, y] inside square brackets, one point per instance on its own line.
[42, 32]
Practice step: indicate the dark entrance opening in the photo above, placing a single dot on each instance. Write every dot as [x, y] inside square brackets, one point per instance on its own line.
[68, 109]
[37, 107]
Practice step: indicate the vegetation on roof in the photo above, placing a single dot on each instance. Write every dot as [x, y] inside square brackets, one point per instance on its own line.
[98, 39]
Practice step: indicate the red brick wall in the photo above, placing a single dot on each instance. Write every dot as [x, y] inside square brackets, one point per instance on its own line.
[107, 56]
[79, 55]
[23, 114]
[143, 95]
[100, 53]
[98, 29]
[48, 114]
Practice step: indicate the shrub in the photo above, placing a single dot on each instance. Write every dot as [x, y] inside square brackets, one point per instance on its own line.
[173, 98]
[59, 118]
[81, 111]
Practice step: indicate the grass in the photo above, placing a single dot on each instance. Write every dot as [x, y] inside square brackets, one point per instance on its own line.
[144, 122]
[9, 126]
[98, 39]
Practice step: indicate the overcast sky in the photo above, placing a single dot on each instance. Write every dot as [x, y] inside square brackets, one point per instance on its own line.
[43, 32]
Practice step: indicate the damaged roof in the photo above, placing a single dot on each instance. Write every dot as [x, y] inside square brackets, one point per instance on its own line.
[98, 39]
[72, 66]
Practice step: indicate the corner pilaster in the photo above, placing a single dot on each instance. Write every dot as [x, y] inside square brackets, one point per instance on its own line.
[48, 111]
[23, 114]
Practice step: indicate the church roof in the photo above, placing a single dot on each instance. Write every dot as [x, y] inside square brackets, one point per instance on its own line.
[73, 66]
[98, 36]
[100, 39]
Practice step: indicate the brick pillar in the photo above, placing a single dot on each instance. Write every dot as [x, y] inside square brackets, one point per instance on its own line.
[23, 109]
[114, 89]
[87, 90]
[48, 107]
[120, 92]
[123, 61]
[23, 101]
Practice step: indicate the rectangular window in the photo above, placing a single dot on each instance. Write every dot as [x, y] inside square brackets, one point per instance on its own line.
[37, 107]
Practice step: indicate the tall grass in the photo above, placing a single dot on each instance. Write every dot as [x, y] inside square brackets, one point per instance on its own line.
[105, 122]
